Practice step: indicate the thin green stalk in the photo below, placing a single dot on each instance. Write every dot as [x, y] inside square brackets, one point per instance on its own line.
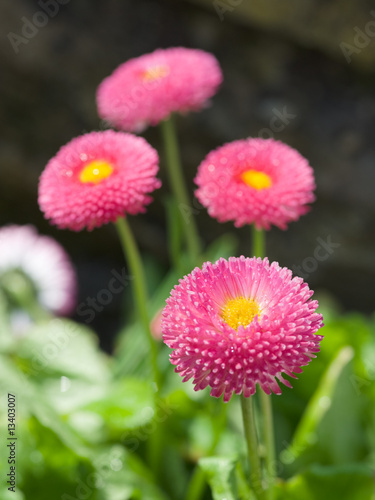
[259, 242]
[178, 187]
[265, 399]
[269, 440]
[139, 287]
[196, 485]
[141, 298]
[247, 405]
[175, 235]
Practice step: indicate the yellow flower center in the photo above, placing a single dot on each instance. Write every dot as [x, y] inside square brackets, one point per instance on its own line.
[239, 311]
[95, 172]
[257, 180]
[154, 73]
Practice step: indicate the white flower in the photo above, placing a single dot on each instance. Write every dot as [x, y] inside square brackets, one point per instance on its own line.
[44, 262]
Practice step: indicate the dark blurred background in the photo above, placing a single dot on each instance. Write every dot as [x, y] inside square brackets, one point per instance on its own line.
[301, 71]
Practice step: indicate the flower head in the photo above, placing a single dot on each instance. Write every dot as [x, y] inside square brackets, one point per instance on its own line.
[155, 325]
[258, 181]
[43, 262]
[97, 178]
[240, 322]
[147, 89]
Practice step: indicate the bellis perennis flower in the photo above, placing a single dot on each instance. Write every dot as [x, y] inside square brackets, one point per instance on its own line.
[147, 89]
[258, 181]
[238, 323]
[97, 178]
[43, 262]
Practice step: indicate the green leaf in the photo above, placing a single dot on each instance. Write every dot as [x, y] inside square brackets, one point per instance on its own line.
[132, 348]
[132, 354]
[130, 404]
[244, 491]
[45, 463]
[122, 476]
[220, 475]
[5, 329]
[335, 444]
[351, 482]
[30, 401]
[200, 435]
[318, 405]
[61, 348]
[5, 494]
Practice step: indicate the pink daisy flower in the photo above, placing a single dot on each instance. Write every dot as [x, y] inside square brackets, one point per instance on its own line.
[43, 262]
[97, 178]
[147, 89]
[255, 181]
[238, 323]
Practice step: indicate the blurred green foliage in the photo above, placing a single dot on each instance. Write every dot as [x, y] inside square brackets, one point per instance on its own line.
[84, 418]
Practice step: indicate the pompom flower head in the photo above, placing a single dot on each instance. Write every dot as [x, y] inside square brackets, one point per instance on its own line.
[43, 262]
[147, 89]
[97, 178]
[255, 181]
[238, 323]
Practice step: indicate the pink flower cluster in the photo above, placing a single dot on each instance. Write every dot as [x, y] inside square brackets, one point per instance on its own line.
[232, 324]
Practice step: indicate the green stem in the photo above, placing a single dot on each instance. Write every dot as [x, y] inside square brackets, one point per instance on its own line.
[139, 287]
[133, 258]
[197, 484]
[259, 242]
[175, 235]
[265, 399]
[247, 405]
[266, 405]
[178, 187]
